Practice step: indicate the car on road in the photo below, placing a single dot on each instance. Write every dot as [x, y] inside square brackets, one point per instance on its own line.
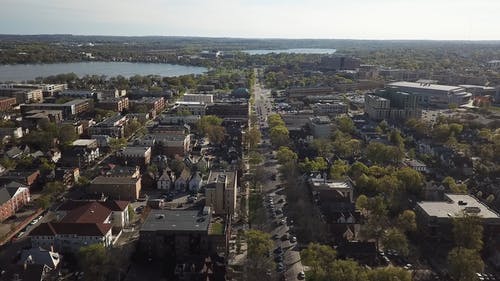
[293, 239]
[284, 237]
[281, 222]
[280, 267]
[278, 250]
[301, 275]
[139, 209]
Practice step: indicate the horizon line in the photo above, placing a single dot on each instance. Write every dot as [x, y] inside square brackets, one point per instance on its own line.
[253, 38]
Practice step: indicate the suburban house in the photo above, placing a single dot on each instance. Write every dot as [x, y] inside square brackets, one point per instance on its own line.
[195, 182]
[13, 196]
[181, 183]
[40, 256]
[166, 181]
[81, 223]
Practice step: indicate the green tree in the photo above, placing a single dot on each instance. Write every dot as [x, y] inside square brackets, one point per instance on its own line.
[216, 134]
[318, 164]
[275, 120]
[406, 221]
[394, 239]
[389, 273]
[259, 248]
[255, 158]
[285, 155]
[93, 260]
[345, 124]
[279, 135]
[67, 134]
[318, 257]
[346, 270]
[468, 231]
[463, 264]
[117, 143]
[396, 139]
[357, 169]
[253, 137]
[339, 169]
[323, 147]
[411, 180]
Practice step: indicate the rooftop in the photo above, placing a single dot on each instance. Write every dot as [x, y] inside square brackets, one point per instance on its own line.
[176, 220]
[84, 142]
[333, 184]
[425, 86]
[456, 204]
[229, 177]
[114, 180]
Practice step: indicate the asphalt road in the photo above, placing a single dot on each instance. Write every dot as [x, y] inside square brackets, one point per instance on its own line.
[291, 256]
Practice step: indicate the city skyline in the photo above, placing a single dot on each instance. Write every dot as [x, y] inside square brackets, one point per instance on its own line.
[361, 19]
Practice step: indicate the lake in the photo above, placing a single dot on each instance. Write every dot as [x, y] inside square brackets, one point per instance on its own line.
[23, 72]
[291, 51]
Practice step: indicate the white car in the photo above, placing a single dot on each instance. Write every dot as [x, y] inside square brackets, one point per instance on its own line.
[301, 275]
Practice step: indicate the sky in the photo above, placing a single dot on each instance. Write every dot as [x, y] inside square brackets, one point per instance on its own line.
[330, 19]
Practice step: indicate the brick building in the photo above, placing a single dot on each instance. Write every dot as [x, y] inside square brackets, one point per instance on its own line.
[13, 196]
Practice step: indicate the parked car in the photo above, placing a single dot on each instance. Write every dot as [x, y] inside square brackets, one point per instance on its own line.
[301, 275]
[293, 239]
[284, 237]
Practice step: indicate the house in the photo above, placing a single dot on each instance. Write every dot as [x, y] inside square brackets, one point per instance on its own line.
[116, 187]
[13, 196]
[70, 237]
[82, 152]
[416, 165]
[25, 272]
[81, 223]
[107, 211]
[68, 176]
[195, 182]
[181, 183]
[363, 252]
[40, 256]
[166, 181]
[27, 178]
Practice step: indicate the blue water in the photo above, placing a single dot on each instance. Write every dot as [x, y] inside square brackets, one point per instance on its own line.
[23, 72]
[291, 51]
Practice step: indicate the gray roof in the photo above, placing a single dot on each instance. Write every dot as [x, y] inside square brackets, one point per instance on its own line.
[176, 220]
[425, 86]
[456, 204]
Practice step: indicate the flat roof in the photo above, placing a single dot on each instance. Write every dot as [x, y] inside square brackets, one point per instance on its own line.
[114, 180]
[84, 142]
[227, 176]
[452, 208]
[339, 184]
[425, 86]
[176, 220]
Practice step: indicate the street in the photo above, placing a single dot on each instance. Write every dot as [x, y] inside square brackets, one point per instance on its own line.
[279, 227]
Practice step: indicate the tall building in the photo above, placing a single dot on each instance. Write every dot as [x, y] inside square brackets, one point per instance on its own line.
[390, 104]
[221, 192]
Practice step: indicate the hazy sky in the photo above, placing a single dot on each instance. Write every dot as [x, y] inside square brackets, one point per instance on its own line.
[357, 19]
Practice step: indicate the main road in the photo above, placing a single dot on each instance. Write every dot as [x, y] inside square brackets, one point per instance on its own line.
[278, 225]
